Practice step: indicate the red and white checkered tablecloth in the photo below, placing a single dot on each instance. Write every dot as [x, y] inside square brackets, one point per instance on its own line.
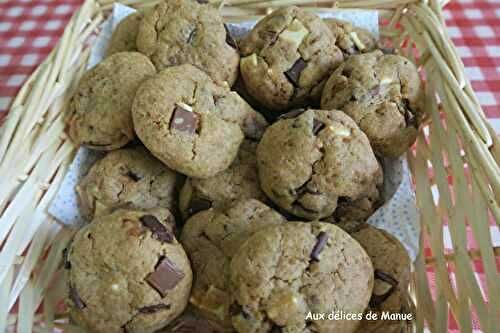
[30, 29]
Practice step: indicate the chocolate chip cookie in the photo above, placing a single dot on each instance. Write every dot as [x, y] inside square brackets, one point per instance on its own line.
[239, 181]
[191, 123]
[282, 273]
[392, 273]
[128, 177]
[287, 57]
[177, 32]
[125, 34]
[310, 160]
[127, 272]
[381, 93]
[350, 39]
[211, 238]
[100, 109]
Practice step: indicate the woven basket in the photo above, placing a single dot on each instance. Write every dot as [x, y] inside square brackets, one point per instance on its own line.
[454, 167]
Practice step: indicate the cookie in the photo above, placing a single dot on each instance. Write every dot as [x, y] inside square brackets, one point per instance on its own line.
[392, 273]
[100, 108]
[177, 32]
[239, 181]
[287, 57]
[283, 273]
[350, 39]
[211, 238]
[192, 124]
[124, 35]
[127, 272]
[310, 160]
[128, 177]
[381, 93]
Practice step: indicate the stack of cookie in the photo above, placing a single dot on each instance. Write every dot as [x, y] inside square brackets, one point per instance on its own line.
[214, 212]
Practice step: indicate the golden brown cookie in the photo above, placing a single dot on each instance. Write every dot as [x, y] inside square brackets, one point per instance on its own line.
[191, 123]
[126, 271]
[310, 160]
[99, 111]
[287, 57]
[177, 32]
[382, 93]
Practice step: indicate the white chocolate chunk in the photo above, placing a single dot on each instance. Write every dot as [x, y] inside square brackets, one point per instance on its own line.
[340, 130]
[385, 80]
[357, 41]
[295, 33]
[250, 61]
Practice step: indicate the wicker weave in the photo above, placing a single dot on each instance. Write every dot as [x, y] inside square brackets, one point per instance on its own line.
[457, 143]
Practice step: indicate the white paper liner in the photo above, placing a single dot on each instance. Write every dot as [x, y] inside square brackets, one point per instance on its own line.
[398, 215]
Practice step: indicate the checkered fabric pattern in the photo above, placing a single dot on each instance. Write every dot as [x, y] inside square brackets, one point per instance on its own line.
[29, 29]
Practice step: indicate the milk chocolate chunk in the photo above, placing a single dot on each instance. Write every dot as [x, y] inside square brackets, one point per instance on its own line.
[319, 246]
[158, 230]
[184, 120]
[165, 277]
[376, 300]
[293, 74]
[77, 301]
[153, 308]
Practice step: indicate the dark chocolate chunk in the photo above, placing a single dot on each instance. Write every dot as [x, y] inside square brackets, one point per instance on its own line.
[293, 74]
[158, 230]
[77, 301]
[184, 120]
[165, 277]
[197, 205]
[410, 119]
[235, 309]
[202, 2]
[319, 246]
[376, 300]
[135, 177]
[276, 329]
[230, 39]
[292, 114]
[66, 263]
[153, 308]
[317, 126]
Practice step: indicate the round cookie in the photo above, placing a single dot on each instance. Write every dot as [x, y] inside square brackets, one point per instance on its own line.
[128, 177]
[127, 272]
[211, 238]
[351, 39]
[381, 93]
[124, 35]
[392, 274]
[287, 57]
[100, 108]
[281, 274]
[239, 181]
[177, 32]
[192, 124]
[310, 160]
